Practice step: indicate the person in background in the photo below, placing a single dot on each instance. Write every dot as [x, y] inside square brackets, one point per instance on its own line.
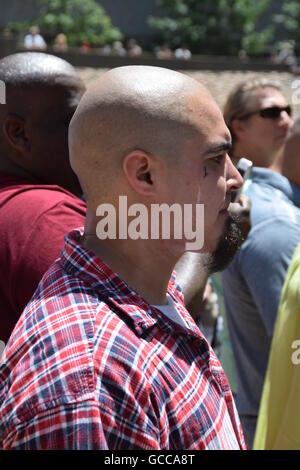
[183, 53]
[60, 43]
[118, 49]
[85, 47]
[34, 41]
[286, 55]
[104, 50]
[116, 360]
[39, 192]
[278, 426]
[164, 53]
[260, 119]
[133, 48]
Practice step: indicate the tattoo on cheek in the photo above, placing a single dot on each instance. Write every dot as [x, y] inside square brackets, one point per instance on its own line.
[204, 171]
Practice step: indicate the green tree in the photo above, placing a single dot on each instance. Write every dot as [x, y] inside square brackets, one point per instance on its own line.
[288, 21]
[79, 20]
[213, 27]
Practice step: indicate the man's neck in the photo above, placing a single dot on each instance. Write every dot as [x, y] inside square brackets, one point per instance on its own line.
[142, 264]
[277, 164]
[6, 166]
[276, 161]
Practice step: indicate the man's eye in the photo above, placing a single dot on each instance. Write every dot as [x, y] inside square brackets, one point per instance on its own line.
[218, 159]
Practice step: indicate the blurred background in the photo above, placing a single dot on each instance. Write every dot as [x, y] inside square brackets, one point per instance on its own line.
[220, 42]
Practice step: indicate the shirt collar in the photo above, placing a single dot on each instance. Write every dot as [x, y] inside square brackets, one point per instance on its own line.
[109, 287]
[277, 181]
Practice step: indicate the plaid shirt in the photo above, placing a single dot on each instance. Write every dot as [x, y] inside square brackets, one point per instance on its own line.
[91, 365]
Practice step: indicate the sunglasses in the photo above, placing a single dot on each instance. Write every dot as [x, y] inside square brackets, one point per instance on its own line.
[269, 113]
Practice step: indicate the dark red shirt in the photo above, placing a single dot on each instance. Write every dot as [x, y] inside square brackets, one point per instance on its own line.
[33, 222]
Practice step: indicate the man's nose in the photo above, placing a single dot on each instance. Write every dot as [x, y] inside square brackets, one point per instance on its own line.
[285, 119]
[234, 179]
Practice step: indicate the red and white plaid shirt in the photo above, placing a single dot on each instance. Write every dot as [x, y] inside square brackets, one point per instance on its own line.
[91, 365]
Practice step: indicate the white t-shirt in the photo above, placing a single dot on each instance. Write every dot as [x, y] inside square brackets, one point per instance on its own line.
[32, 42]
[170, 311]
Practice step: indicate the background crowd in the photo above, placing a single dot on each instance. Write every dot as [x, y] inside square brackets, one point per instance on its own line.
[248, 308]
[177, 30]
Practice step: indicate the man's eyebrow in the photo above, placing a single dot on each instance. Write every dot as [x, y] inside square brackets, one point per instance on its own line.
[216, 148]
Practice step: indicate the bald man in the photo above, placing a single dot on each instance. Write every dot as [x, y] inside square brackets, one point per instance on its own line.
[38, 189]
[106, 356]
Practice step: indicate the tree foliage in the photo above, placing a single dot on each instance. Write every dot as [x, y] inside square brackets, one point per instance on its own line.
[213, 27]
[288, 20]
[79, 20]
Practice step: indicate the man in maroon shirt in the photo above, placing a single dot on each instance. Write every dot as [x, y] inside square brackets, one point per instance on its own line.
[39, 192]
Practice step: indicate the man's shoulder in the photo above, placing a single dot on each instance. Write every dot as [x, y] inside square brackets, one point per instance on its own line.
[23, 201]
[51, 347]
[34, 220]
[274, 230]
[271, 197]
[67, 339]
[20, 195]
[270, 210]
[30, 210]
[48, 357]
[67, 312]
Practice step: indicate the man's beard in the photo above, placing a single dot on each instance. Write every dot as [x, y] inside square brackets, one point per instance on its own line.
[229, 243]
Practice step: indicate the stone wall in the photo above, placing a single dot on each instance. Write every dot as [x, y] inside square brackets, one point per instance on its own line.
[222, 82]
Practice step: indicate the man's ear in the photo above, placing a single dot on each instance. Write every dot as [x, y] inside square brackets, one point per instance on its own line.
[238, 127]
[14, 130]
[138, 167]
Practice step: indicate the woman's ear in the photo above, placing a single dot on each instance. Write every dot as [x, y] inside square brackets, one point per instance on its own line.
[14, 130]
[138, 167]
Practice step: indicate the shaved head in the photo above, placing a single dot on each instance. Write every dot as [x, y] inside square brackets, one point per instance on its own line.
[135, 107]
[42, 93]
[158, 138]
[26, 72]
[31, 69]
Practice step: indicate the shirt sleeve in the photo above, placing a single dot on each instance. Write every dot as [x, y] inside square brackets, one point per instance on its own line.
[83, 426]
[27, 41]
[40, 42]
[115, 412]
[264, 262]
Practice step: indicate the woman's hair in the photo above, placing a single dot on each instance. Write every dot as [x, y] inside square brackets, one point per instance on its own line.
[237, 103]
